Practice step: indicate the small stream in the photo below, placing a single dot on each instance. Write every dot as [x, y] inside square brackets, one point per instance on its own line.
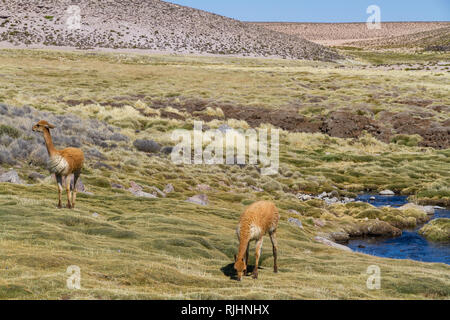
[410, 245]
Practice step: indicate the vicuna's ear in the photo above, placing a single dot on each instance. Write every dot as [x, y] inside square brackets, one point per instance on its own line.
[235, 258]
[50, 126]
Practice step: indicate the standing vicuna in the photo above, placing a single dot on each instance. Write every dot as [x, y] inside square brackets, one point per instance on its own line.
[257, 220]
[62, 163]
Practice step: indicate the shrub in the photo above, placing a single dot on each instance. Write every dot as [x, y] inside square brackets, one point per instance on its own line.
[147, 146]
[118, 137]
[5, 157]
[407, 140]
[9, 131]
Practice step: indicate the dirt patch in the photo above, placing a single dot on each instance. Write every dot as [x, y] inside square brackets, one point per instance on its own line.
[342, 123]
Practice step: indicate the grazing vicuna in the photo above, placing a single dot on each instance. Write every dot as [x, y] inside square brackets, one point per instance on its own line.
[62, 163]
[257, 220]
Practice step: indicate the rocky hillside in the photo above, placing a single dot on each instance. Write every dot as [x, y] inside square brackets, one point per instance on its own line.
[357, 34]
[434, 40]
[149, 24]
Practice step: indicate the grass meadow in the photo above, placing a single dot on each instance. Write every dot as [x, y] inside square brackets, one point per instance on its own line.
[166, 248]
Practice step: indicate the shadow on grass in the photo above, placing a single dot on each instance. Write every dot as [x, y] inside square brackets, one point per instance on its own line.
[229, 271]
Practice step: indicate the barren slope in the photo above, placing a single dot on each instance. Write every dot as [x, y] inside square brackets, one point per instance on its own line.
[148, 24]
[358, 33]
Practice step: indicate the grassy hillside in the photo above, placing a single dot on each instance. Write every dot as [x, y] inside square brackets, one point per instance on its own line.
[132, 247]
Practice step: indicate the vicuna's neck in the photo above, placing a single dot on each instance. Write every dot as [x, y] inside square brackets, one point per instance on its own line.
[49, 143]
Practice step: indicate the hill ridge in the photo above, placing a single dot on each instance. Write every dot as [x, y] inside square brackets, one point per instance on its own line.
[149, 24]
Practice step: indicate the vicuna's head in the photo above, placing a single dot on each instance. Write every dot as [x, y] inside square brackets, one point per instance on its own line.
[41, 125]
[240, 266]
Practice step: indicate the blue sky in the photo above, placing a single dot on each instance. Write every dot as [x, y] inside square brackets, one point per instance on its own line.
[324, 10]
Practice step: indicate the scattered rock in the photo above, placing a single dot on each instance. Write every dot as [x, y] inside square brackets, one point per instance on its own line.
[95, 215]
[294, 212]
[148, 146]
[162, 194]
[380, 228]
[429, 210]
[94, 153]
[340, 236]
[329, 198]
[116, 186]
[169, 188]
[224, 128]
[80, 185]
[332, 244]
[144, 194]
[35, 176]
[167, 150]
[319, 223]
[201, 199]
[203, 187]
[101, 165]
[257, 189]
[387, 193]
[137, 191]
[296, 222]
[11, 177]
[134, 187]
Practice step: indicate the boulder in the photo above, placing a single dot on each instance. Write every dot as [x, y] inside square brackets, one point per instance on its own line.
[101, 165]
[162, 194]
[340, 236]
[35, 176]
[319, 223]
[80, 185]
[296, 222]
[144, 194]
[137, 191]
[203, 187]
[167, 150]
[332, 244]
[169, 188]
[387, 193]
[134, 187]
[380, 229]
[224, 128]
[11, 177]
[116, 186]
[429, 210]
[294, 212]
[148, 146]
[200, 199]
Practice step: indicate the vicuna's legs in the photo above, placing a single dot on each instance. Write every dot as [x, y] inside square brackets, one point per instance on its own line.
[60, 188]
[273, 238]
[69, 193]
[76, 175]
[246, 254]
[257, 254]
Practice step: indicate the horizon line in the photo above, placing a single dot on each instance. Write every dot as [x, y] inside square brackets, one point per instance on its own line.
[416, 21]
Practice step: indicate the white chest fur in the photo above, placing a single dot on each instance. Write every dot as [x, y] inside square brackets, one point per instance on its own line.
[57, 164]
[255, 232]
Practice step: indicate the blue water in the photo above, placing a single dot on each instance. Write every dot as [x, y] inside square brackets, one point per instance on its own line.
[410, 245]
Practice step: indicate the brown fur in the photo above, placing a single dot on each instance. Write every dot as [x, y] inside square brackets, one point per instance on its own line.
[257, 220]
[65, 162]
